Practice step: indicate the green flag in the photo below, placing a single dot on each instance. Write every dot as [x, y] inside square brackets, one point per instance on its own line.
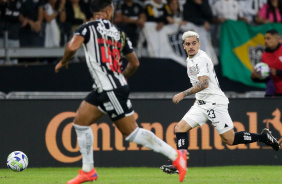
[241, 46]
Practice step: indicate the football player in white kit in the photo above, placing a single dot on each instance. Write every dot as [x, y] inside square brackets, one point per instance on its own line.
[211, 103]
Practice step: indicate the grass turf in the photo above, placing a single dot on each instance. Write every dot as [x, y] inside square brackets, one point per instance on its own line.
[201, 175]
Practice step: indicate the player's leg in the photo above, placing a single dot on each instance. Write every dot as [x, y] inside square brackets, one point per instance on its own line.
[181, 132]
[86, 114]
[245, 137]
[224, 127]
[193, 118]
[220, 118]
[133, 133]
[122, 114]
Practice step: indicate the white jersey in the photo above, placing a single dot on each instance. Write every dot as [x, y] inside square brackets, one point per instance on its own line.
[201, 65]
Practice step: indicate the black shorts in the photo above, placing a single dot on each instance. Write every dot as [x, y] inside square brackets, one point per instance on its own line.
[115, 103]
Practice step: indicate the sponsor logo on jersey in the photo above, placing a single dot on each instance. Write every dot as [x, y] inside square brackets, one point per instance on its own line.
[111, 32]
[193, 70]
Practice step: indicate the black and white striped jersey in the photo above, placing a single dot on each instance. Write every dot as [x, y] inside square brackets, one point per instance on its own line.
[103, 46]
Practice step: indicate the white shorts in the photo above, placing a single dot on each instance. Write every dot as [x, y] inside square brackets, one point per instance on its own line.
[217, 114]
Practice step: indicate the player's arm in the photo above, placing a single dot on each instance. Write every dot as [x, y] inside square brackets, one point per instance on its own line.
[132, 66]
[202, 84]
[71, 48]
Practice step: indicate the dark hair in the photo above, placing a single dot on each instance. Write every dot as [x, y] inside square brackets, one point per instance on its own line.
[272, 32]
[178, 8]
[271, 8]
[98, 5]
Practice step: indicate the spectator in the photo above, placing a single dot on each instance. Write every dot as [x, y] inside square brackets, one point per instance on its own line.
[176, 15]
[227, 10]
[157, 11]
[198, 12]
[272, 57]
[31, 34]
[132, 19]
[77, 13]
[250, 9]
[117, 12]
[270, 12]
[9, 21]
[52, 10]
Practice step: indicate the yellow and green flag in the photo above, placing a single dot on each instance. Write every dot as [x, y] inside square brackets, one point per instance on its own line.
[241, 47]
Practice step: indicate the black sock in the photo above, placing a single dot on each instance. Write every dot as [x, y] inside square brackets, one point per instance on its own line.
[182, 140]
[247, 137]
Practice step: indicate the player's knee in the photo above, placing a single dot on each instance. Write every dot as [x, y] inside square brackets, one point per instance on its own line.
[80, 120]
[126, 131]
[178, 128]
[182, 127]
[228, 141]
[77, 119]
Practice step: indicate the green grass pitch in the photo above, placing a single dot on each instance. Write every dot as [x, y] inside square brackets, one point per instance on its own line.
[201, 175]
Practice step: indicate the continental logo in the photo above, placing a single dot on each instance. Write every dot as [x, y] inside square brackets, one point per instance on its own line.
[61, 141]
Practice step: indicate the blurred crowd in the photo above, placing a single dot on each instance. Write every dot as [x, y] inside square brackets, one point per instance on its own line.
[50, 23]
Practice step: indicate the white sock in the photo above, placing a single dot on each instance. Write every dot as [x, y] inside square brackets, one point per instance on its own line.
[151, 141]
[85, 140]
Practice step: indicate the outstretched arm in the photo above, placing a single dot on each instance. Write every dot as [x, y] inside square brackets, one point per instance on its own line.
[202, 84]
[71, 48]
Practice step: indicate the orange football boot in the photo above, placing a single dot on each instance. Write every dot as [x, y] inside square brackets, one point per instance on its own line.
[181, 163]
[84, 177]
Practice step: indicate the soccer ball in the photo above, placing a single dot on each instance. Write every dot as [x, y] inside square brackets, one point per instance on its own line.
[263, 69]
[17, 161]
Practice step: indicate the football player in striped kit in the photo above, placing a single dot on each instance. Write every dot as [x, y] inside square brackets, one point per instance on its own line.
[211, 103]
[103, 45]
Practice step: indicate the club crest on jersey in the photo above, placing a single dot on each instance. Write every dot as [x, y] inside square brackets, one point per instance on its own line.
[112, 32]
[193, 70]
